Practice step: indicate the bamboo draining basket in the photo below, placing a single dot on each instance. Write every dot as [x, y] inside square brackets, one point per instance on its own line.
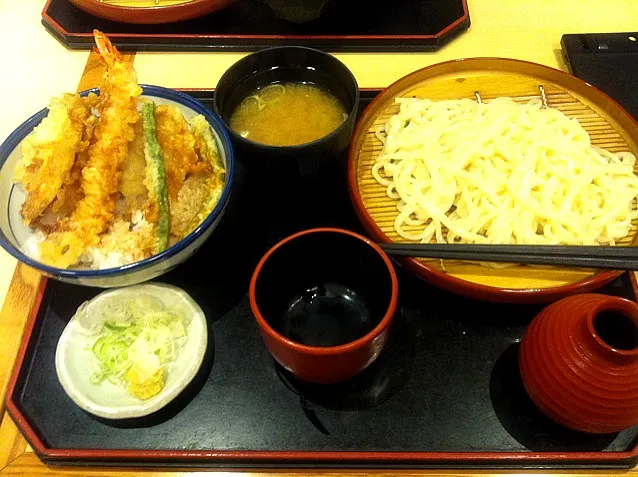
[608, 125]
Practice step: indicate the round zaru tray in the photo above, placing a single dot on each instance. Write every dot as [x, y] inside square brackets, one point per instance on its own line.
[607, 123]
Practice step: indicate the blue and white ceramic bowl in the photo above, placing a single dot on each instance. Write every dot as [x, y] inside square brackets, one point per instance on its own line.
[15, 235]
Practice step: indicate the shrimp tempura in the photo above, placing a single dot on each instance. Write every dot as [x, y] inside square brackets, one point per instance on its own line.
[114, 131]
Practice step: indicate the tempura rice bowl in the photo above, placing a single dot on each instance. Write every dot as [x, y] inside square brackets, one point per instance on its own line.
[21, 241]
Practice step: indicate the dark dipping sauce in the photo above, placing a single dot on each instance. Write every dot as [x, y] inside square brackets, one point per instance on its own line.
[325, 315]
[324, 289]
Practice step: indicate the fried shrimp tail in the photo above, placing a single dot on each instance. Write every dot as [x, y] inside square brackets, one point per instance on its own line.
[49, 153]
[109, 146]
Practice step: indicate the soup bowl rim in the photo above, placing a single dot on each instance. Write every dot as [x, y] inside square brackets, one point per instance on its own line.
[379, 328]
[351, 111]
[617, 305]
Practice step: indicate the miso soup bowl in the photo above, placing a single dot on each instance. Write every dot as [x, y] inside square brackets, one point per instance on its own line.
[324, 300]
[288, 64]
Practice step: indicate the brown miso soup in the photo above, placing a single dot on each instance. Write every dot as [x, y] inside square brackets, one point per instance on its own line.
[287, 114]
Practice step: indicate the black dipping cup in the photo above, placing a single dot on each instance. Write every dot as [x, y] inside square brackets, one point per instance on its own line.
[288, 64]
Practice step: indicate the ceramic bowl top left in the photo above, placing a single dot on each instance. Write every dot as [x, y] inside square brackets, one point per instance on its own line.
[73, 357]
[16, 237]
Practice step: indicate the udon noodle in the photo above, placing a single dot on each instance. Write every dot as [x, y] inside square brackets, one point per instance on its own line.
[502, 172]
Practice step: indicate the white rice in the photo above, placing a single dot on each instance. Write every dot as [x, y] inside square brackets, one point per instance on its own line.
[120, 245]
[31, 247]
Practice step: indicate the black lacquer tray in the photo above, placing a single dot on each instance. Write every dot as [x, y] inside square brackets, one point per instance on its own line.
[352, 25]
[445, 392]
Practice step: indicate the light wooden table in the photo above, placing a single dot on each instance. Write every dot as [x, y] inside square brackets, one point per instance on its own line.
[36, 67]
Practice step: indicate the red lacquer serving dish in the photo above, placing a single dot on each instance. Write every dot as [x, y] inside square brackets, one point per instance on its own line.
[579, 362]
[146, 11]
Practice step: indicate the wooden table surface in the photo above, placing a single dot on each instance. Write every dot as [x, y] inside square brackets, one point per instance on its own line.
[524, 29]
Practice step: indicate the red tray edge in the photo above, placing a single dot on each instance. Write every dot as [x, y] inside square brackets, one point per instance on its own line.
[451, 27]
[625, 459]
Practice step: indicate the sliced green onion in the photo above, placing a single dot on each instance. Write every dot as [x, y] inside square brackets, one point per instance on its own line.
[136, 330]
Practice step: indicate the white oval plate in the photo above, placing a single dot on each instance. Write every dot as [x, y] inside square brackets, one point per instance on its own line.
[74, 357]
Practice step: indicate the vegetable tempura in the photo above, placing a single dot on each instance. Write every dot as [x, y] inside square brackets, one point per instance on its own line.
[113, 179]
